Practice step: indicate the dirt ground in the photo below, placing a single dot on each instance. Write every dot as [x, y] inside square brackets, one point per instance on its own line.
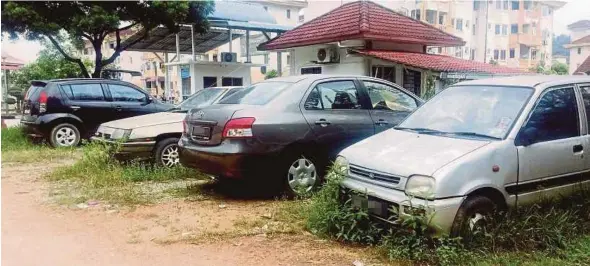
[36, 231]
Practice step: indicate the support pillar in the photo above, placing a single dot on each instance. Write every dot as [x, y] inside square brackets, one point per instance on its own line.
[280, 63]
[177, 48]
[167, 86]
[248, 58]
[194, 56]
[230, 40]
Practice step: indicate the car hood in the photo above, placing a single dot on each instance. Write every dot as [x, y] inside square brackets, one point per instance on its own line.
[146, 120]
[406, 153]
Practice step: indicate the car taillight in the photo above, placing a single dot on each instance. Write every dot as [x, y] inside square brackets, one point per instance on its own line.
[185, 126]
[42, 102]
[239, 128]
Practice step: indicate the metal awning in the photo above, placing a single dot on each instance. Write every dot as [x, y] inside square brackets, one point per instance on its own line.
[161, 39]
[227, 15]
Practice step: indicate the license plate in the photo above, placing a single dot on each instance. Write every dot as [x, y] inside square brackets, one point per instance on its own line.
[201, 132]
[372, 205]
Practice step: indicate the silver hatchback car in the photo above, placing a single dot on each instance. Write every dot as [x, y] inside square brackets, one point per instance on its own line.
[477, 146]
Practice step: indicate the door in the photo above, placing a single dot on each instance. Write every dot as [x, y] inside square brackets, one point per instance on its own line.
[336, 115]
[389, 105]
[128, 101]
[550, 148]
[88, 102]
[585, 92]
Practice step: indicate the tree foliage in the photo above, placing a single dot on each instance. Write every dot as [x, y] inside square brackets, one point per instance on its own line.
[556, 68]
[558, 42]
[94, 21]
[271, 74]
[49, 65]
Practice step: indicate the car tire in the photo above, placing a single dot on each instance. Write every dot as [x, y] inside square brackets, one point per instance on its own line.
[300, 174]
[167, 152]
[472, 214]
[64, 135]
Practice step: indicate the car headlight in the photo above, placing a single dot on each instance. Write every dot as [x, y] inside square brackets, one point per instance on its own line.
[121, 133]
[421, 186]
[341, 165]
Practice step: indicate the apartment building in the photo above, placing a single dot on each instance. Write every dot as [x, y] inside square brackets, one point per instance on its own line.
[515, 33]
[579, 61]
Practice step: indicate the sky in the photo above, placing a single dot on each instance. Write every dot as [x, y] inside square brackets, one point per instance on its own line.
[573, 11]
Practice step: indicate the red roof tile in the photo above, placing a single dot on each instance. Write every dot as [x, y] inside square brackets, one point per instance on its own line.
[439, 63]
[362, 20]
[582, 40]
[584, 67]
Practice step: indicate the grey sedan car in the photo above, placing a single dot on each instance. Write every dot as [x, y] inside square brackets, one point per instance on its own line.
[155, 136]
[290, 128]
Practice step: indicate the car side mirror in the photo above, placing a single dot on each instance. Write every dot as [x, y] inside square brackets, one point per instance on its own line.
[149, 99]
[528, 136]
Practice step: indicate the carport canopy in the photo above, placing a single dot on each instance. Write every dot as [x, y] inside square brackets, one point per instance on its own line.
[240, 16]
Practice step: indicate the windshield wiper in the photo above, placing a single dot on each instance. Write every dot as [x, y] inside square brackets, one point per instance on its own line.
[173, 109]
[472, 134]
[420, 129]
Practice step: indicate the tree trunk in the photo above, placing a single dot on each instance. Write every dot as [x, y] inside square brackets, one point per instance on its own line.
[97, 59]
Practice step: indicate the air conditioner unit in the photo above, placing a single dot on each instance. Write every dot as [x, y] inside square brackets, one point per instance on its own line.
[229, 57]
[328, 55]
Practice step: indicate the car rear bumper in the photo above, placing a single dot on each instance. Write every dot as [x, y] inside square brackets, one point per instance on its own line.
[443, 210]
[231, 159]
[130, 150]
[31, 128]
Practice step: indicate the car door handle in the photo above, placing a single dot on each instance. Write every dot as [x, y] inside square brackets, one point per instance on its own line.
[75, 107]
[578, 148]
[381, 122]
[118, 108]
[322, 122]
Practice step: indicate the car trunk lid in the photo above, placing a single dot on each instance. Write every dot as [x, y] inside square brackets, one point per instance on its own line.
[31, 103]
[205, 125]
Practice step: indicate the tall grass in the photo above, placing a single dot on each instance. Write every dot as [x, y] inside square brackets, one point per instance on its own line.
[97, 175]
[550, 231]
[17, 147]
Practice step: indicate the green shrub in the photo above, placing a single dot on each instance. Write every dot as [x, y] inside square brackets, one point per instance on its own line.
[17, 147]
[13, 138]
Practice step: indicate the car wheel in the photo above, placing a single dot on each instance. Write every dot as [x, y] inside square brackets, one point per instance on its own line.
[473, 215]
[167, 152]
[301, 175]
[64, 135]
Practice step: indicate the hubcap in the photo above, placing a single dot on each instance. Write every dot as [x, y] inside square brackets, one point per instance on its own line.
[302, 175]
[65, 137]
[476, 222]
[170, 156]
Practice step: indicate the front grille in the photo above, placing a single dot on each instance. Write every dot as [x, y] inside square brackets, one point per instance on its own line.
[373, 175]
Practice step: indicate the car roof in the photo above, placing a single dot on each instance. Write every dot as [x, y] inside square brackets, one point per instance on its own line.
[535, 81]
[295, 79]
[77, 79]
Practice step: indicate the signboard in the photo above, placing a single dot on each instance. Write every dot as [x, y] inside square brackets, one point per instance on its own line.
[185, 72]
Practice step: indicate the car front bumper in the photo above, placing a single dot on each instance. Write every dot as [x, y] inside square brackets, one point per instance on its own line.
[443, 210]
[140, 150]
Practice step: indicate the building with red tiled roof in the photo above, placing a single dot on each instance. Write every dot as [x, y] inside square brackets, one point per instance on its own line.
[365, 38]
[584, 67]
[580, 45]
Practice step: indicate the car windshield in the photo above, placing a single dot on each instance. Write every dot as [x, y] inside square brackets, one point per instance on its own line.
[257, 94]
[470, 111]
[201, 98]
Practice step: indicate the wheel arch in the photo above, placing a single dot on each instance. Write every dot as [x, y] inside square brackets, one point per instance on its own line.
[492, 193]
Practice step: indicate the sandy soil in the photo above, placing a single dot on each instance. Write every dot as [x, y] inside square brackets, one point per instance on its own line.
[178, 232]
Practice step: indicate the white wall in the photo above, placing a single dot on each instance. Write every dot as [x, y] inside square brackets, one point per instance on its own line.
[219, 71]
[349, 64]
[577, 59]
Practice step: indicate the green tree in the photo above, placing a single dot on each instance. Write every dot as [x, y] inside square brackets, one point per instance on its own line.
[559, 68]
[94, 21]
[271, 74]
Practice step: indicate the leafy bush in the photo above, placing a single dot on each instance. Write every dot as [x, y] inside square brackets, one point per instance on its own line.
[547, 228]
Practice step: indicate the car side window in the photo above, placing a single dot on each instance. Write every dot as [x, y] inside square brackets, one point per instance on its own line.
[333, 95]
[121, 93]
[585, 89]
[384, 97]
[84, 92]
[555, 116]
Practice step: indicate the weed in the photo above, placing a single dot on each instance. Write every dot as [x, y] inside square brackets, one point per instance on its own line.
[98, 176]
[17, 147]
[551, 232]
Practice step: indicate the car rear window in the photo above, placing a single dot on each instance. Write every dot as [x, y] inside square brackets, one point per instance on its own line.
[33, 92]
[257, 94]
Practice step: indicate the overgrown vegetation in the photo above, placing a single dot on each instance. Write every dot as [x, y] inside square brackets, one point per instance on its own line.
[16, 147]
[98, 176]
[552, 232]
